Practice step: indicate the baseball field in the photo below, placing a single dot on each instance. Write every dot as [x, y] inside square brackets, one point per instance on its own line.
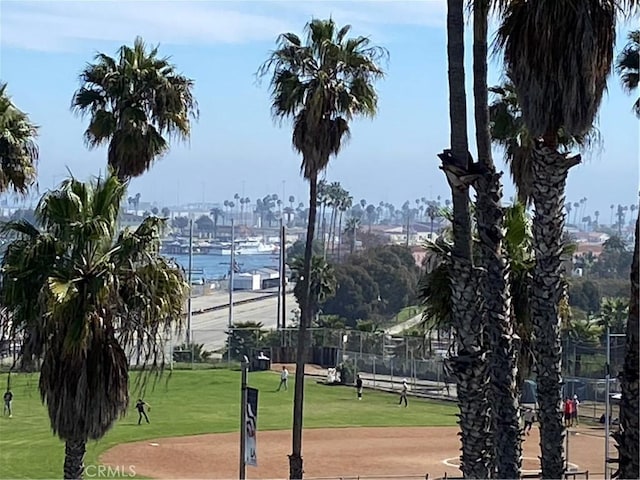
[194, 423]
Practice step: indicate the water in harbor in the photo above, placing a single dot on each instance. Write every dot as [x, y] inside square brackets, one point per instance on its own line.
[215, 267]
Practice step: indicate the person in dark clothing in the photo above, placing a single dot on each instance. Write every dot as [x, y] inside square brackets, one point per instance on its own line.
[359, 387]
[403, 394]
[8, 397]
[140, 407]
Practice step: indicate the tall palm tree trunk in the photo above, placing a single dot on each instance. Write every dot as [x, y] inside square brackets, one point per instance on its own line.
[550, 170]
[627, 438]
[340, 236]
[306, 316]
[502, 366]
[333, 228]
[468, 364]
[331, 233]
[74, 451]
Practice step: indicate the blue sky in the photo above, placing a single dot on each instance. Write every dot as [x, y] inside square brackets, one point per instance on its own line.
[236, 145]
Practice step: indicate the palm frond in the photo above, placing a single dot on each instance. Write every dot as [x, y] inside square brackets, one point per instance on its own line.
[322, 83]
[133, 102]
[558, 87]
[18, 148]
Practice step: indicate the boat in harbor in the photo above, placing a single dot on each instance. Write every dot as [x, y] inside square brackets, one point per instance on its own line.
[245, 247]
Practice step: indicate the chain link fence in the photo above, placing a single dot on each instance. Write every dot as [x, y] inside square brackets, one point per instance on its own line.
[382, 360]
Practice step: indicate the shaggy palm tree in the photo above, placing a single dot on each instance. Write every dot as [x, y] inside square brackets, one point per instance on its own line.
[509, 132]
[435, 285]
[556, 88]
[321, 83]
[628, 437]
[323, 280]
[83, 298]
[468, 365]
[216, 213]
[628, 66]
[135, 103]
[501, 362]
[351, 229]
[18, 150]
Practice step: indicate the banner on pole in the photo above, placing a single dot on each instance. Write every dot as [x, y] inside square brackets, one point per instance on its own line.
[250, 453]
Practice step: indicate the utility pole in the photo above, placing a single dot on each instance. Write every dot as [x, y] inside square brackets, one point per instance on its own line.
[283, 275]
[189, 308]
[243, 417]
[231, 272]
[280, 274]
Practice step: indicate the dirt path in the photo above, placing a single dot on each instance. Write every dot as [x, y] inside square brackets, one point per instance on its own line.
[409, 452]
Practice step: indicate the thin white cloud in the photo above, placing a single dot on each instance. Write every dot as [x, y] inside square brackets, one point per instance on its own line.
[69, 25]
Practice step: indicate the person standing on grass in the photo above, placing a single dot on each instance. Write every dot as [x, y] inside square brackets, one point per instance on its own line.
[140, 407]
[8, 398]
[576, 403]
[284, 378]
[403, 393]
[359, 387]
[529, 418]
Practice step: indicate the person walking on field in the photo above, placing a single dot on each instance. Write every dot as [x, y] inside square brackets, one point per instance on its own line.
[359, 387]
[284, 378]
[8, 397]
[529, 418]
[140, 407]
[403, 393]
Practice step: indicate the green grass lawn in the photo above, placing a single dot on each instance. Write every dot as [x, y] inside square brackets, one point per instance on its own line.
[197, 402]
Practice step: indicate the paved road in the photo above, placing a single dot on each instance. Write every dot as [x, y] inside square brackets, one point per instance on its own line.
[210, 327]
[221, 298]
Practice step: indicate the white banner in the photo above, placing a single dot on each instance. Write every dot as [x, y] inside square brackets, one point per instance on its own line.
[251, 427]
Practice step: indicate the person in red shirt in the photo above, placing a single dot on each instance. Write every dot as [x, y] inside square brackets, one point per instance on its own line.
[568, 410]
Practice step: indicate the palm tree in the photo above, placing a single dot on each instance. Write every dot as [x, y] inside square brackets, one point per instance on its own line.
[321, 83]
[556, 89]
[628, 66]
[435, 292]
[585, 331]
[351, 229]
[501, 359]
[84, 297]
[509, 132]
[18, 149]
[613, 313]
[136, 103]
[323, 280]
[216, 213]
[345, 205]
[468, 366]
[628, 437]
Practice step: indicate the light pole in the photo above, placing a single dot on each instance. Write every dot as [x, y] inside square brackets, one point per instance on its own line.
[243, 416]
[189, 309]
[231, 272]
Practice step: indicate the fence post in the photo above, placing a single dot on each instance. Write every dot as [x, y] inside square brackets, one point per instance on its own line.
[374, 371]
[392, 374]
